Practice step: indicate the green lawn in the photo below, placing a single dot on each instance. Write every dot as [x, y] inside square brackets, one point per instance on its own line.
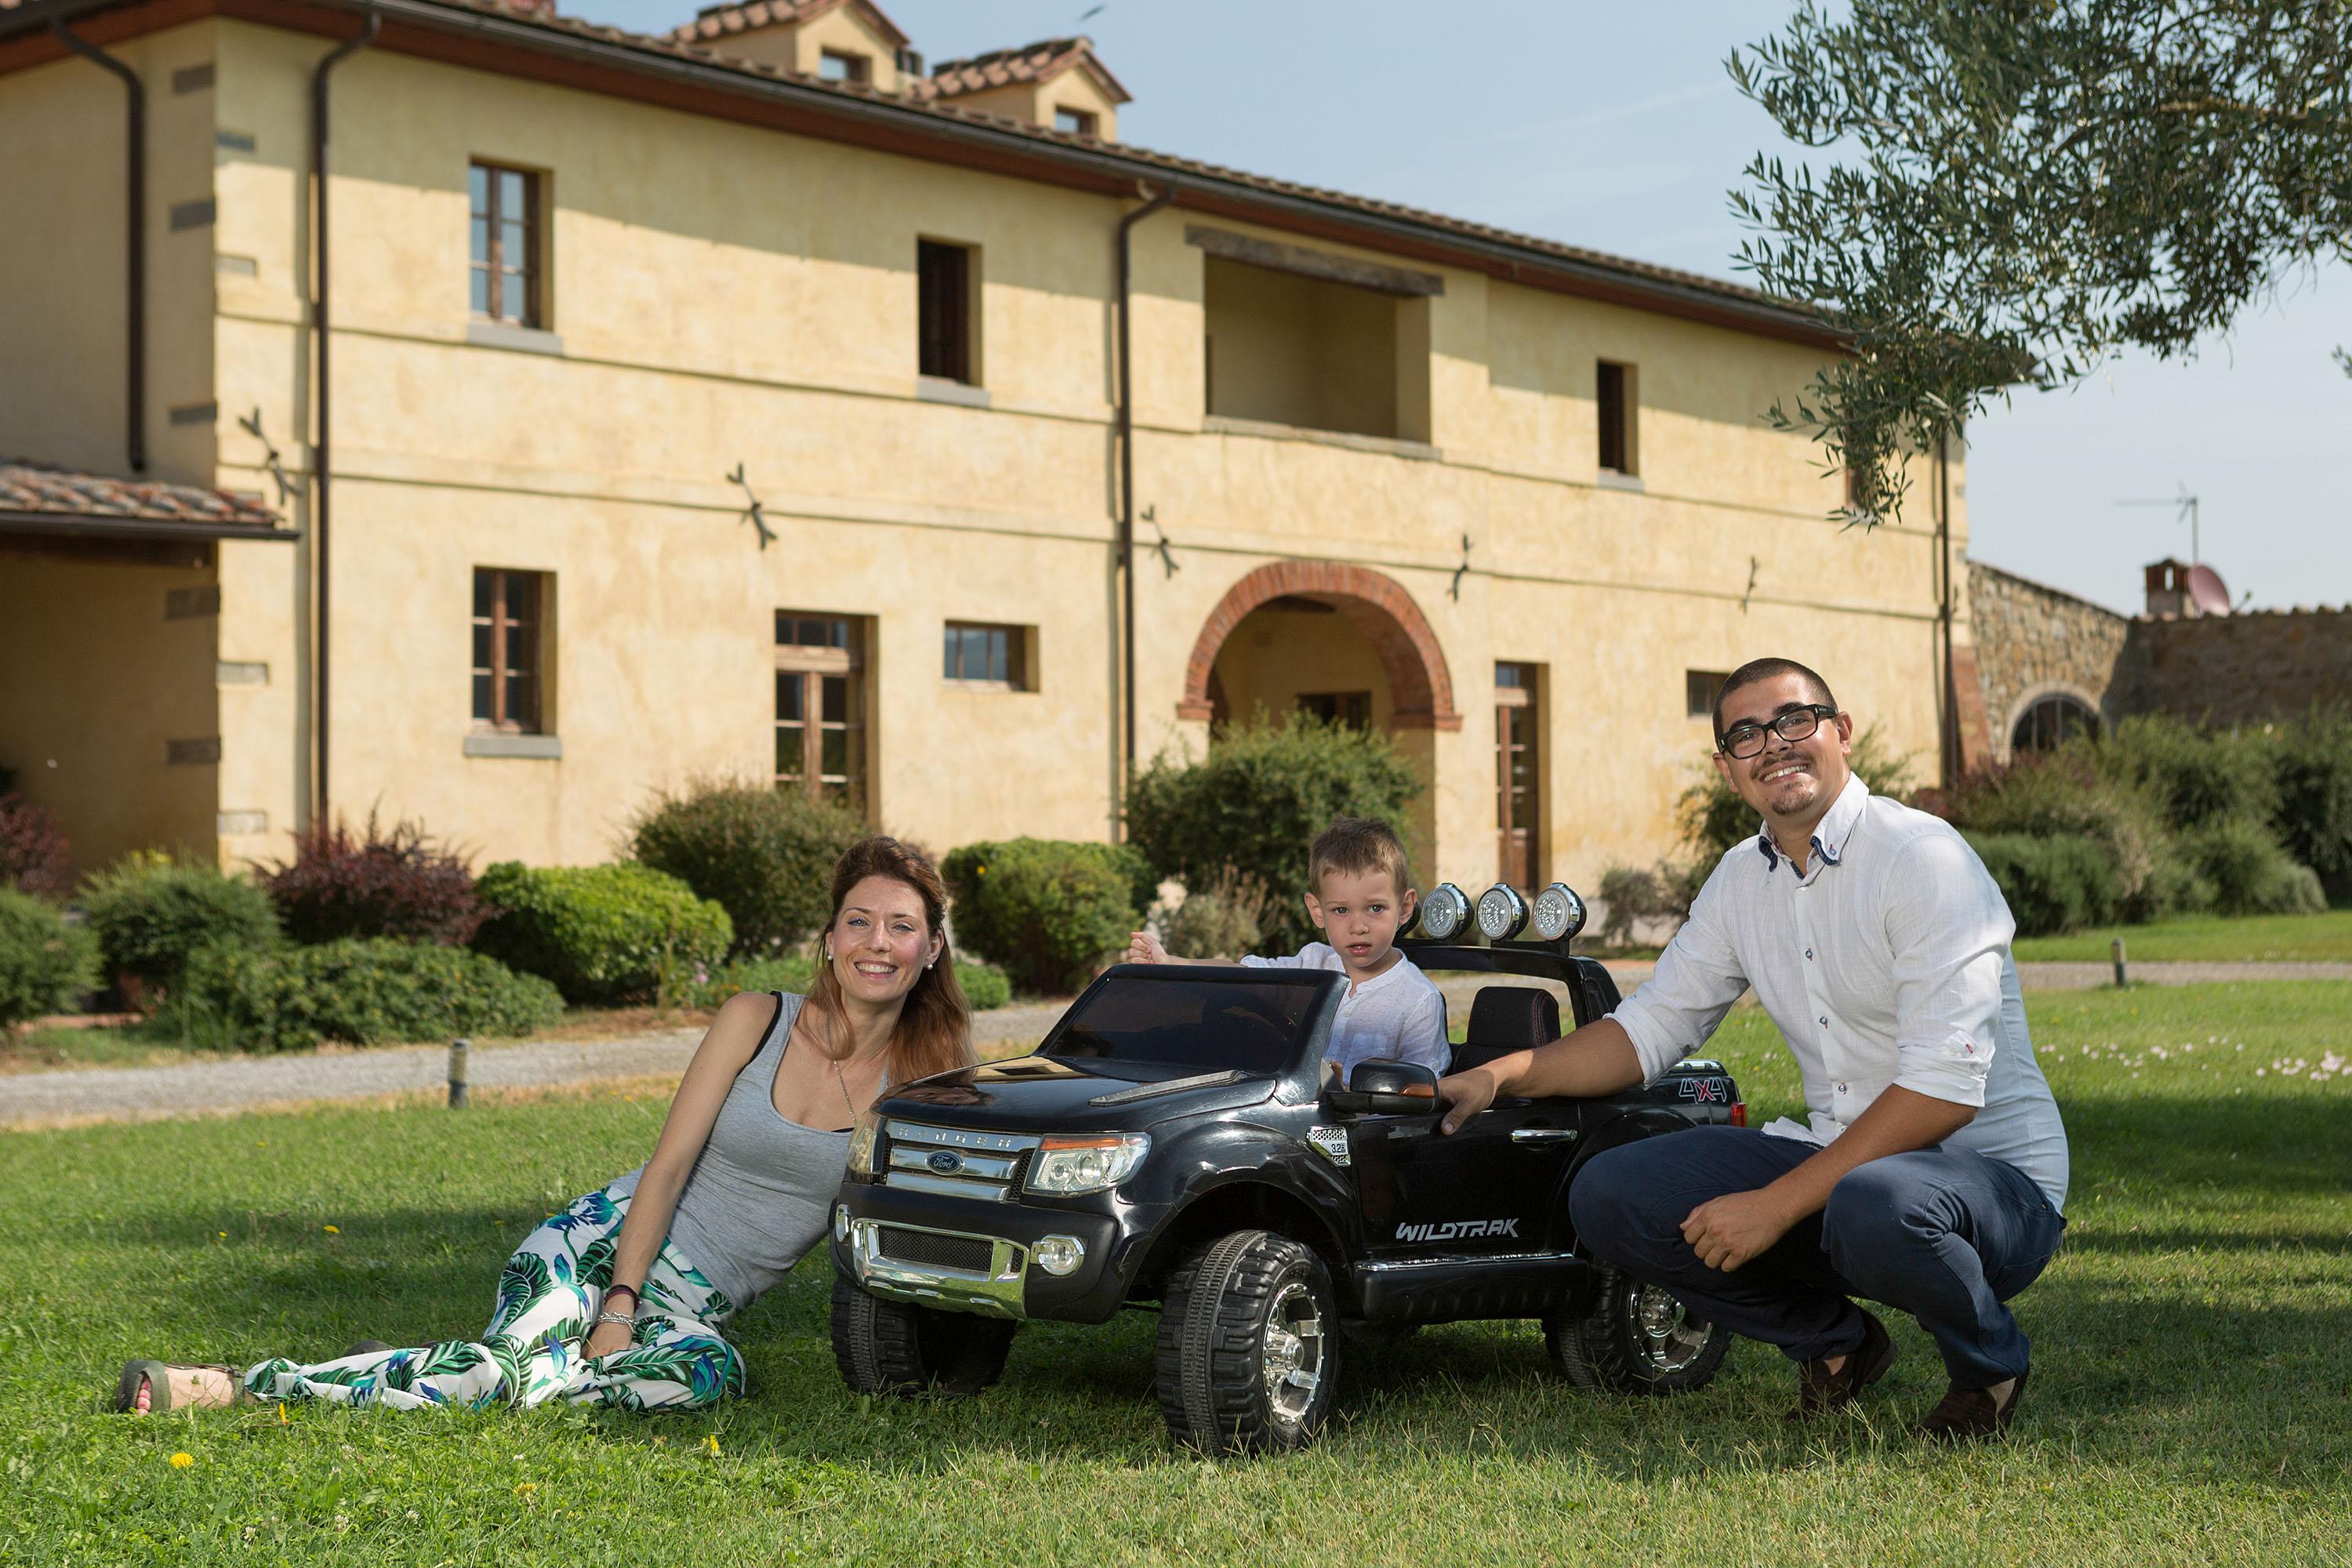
[2206, 939]
[2191, 1403]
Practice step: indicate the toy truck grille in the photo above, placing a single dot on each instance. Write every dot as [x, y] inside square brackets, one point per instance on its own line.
[956, 1162]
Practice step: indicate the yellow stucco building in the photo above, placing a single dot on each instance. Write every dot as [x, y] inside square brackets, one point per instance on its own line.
[750, 400]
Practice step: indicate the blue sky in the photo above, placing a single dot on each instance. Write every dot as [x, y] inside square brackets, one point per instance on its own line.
[1613, 126]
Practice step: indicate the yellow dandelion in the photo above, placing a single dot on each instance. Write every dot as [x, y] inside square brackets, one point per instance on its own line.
[183, 1460]
[524, 1489]
[711, 1443]
[332, 1230]
[220, 1235]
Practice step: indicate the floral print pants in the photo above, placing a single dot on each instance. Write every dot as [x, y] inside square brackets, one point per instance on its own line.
[548, 1295]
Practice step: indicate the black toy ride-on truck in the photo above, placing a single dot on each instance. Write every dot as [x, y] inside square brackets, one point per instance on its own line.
[1173, 1141]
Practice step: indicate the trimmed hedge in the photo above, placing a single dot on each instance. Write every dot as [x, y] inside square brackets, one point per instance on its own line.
[1249, 809]
[602, 933]
[2063, 796]
[1051, 913]
[766, 854]
[44, 964]
[360, 992]
[152, 915]
[393, 882]
[2052, 885]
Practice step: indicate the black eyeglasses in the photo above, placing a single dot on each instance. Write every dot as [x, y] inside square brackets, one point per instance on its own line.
[1745, 741]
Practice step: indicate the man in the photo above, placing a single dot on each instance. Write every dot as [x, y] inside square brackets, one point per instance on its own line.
[1935, 1167]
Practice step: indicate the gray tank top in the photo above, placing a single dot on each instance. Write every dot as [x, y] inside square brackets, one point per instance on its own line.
[761, 1193]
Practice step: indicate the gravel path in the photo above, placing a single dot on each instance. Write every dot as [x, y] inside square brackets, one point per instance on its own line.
[188, 1088]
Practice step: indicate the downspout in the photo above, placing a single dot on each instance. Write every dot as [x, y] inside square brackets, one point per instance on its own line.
[1124, 420]
[320, 451]
[1952, 746]
[134, 180]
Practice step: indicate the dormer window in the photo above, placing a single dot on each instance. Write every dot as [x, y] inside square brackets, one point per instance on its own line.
[834, 65]
[1074, 122]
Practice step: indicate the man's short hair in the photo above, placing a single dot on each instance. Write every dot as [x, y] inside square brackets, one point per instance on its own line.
[1356, 845]
[1756, 669]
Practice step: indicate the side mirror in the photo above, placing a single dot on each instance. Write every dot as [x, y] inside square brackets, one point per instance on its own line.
[1381, 1087]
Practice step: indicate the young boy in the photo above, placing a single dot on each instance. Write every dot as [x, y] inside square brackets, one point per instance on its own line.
[1359, 891]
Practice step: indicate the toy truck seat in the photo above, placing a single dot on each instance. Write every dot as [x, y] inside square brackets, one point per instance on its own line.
[1507, 1018]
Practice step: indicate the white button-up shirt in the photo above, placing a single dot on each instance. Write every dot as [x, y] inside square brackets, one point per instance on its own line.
[1887, 962]
[1399, 1013]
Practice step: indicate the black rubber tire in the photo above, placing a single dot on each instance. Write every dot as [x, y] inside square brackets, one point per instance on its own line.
[884, 1346]
[1211, 1364]
[1604, 1346]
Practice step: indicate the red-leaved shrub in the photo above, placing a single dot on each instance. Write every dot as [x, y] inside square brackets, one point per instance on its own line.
[33, 855]
[390, 883]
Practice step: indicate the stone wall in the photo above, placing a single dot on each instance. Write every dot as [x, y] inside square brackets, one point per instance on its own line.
[2254, 665]
[2032, 640]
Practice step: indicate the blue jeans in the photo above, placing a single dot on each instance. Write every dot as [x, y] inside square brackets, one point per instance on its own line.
[1942, 1234]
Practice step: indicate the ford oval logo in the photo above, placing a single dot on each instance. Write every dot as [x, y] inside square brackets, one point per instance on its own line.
[946, 1161]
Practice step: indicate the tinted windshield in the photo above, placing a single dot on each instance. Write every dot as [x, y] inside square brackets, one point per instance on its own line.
[1257, 1025]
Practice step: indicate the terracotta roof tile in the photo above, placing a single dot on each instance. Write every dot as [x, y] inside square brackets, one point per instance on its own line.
[1004, 67]
[721, 21]
[29, 487]
[1144, 162]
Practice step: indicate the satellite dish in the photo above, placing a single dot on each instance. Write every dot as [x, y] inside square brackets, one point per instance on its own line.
[2208, 592]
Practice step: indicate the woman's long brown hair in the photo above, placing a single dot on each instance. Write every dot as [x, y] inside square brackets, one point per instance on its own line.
[934, 1029]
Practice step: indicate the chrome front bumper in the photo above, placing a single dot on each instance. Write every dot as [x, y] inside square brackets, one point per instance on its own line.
[999, 1293]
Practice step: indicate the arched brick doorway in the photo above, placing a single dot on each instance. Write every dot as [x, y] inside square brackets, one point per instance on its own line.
[1420, 690]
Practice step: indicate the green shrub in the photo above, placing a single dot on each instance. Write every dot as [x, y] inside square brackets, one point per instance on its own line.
[2194, 774]
[1226, 918]
[1050, 912]
[44, 964]
[984, 985]
[2062, 794]
[2313, 761]
[151, 914]
[765, 855]
[2248, 873]
[2052, 885]
[1713, 818]
[602, 933]
[363, 991]
[1250, 808]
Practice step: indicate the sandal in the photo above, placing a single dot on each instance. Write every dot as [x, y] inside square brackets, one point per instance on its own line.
[173, 1387]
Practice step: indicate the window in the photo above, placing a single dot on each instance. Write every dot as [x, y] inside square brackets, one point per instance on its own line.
[821, 706]
[2050, 720]
[1699, 686]
[1518, 764]
[944, 276]
[1074, 121]
[834, 64]
[1615, 396]
[506, 266]
[994, 656]
[509, 617]
[1351, 709]
[1284, 347]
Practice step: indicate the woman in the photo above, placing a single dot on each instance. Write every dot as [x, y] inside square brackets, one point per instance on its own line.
[618, 1300]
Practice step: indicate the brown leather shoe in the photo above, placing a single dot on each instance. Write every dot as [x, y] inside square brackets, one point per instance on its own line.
[1821, 1391]
[1965, 1415]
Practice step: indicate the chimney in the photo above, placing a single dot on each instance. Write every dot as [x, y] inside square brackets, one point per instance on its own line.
[2168, 589]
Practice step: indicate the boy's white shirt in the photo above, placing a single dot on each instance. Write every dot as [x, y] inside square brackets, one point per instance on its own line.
[1399, 1013]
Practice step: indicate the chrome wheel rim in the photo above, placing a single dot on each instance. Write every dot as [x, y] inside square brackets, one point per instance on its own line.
[1292, 1359]
[1665, 1336]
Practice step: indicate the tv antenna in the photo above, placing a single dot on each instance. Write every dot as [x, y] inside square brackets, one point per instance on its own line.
[2185, 505]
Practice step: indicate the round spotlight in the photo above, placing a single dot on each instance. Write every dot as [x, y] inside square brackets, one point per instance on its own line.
[1559, 913]
[1443, 913]
[1502, 913]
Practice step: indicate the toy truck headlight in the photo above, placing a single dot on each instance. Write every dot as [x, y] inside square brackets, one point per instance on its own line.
[1501, 912]
[1065, 1167]
[1445, 911]
[1559, 913]
[862, 1140]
